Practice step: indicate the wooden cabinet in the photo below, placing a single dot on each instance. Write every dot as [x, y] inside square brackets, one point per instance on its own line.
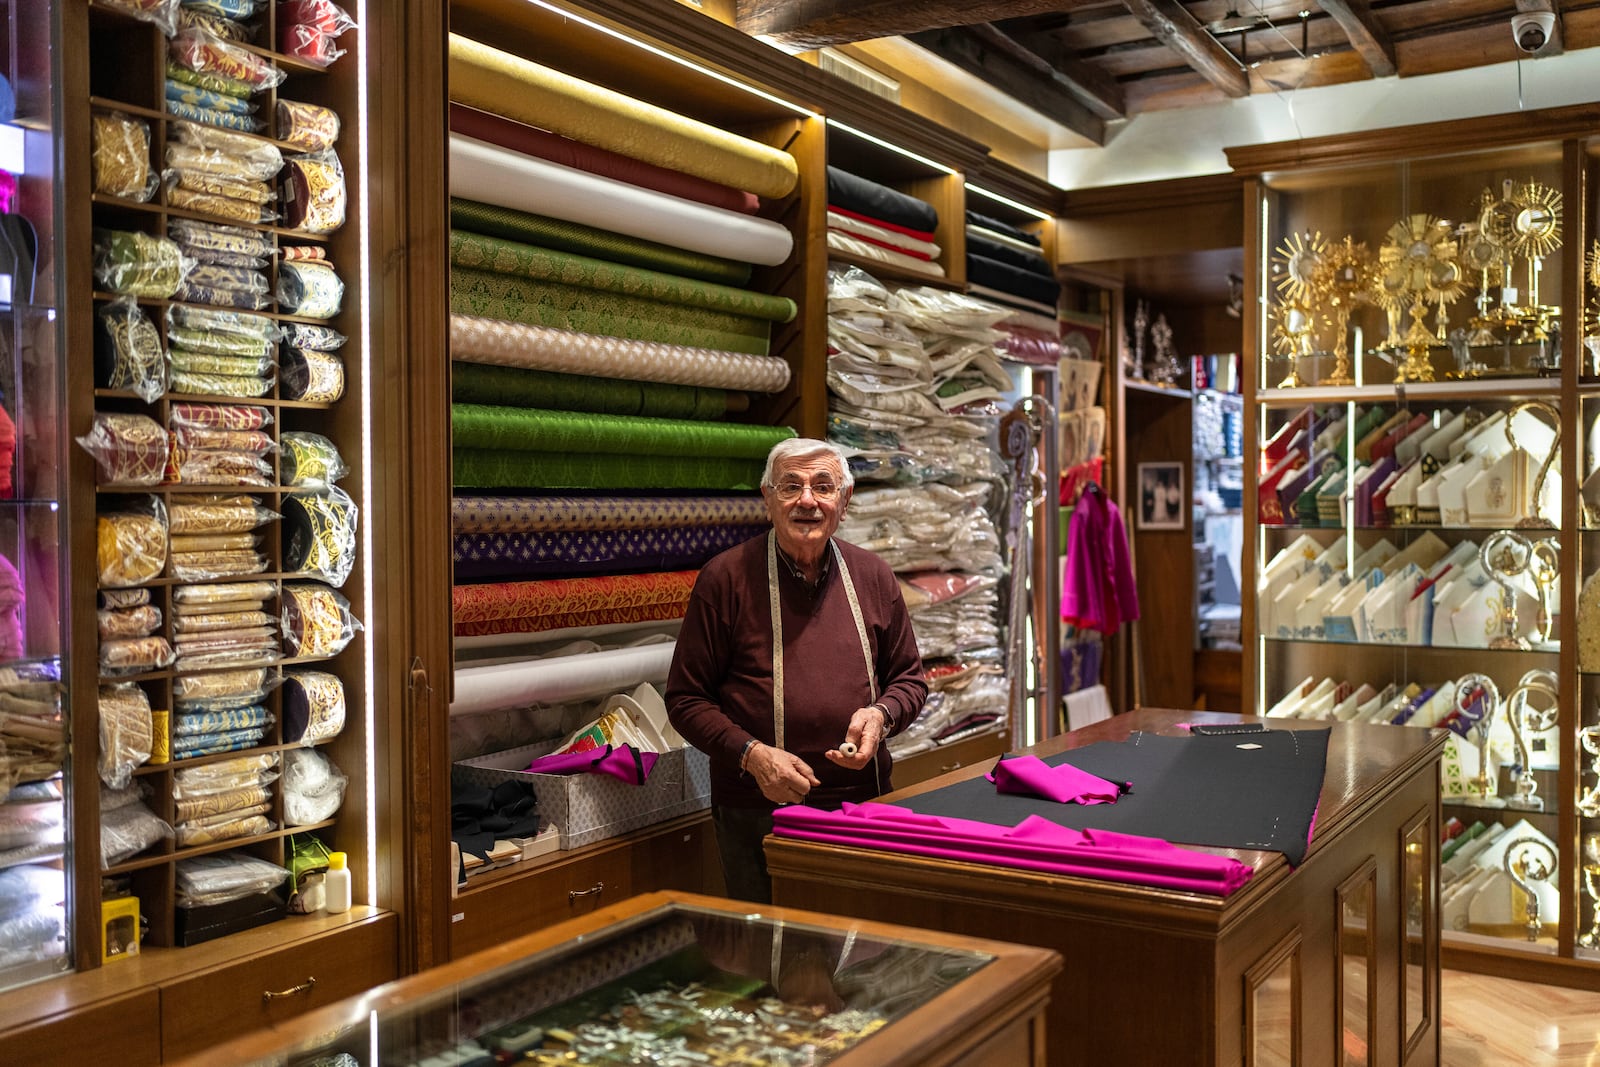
[1262, 971]
[982, 1006]
[1438, 387]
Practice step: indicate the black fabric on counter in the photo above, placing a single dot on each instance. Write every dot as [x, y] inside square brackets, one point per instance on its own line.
[981, 270]
[480, 816]
[978, 244]
[988, 222]
[1258, 791]
[865, 197]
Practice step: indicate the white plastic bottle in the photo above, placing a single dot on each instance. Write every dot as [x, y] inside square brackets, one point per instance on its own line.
[337, 884]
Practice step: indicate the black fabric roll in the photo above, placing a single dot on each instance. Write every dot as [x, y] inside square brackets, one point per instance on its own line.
[978, 244]
[991, 223]
[981, 270]
[864, 197]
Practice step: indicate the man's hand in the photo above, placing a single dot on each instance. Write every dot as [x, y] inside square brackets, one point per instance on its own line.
[784, 778]
[865, 732]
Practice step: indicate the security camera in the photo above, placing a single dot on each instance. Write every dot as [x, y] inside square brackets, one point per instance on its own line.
[1531, 29]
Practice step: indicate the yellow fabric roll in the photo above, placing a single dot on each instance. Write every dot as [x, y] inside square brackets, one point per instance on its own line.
[495, 81]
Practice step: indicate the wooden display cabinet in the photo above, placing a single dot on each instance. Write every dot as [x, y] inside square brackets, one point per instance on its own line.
[956, 1001]
[1474, 233]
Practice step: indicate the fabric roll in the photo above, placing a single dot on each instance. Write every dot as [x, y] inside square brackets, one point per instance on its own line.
[493, 175]
[513, 344]
[1002, 230]
[572, 307]
[531, 141]
[1025, 258]
[495, 81]
[839, 241]
[509, 555]
[593, 241]
[548, 265]
[560, 679]
[882, 235]
[528, 607]
[510, 514]
[486, 426]
[881, 204]
[993, 274]
[474, 383]
[495, 469]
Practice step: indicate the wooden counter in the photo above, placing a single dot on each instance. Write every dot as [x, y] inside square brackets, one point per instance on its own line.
[990, 1017]
[1342, 952]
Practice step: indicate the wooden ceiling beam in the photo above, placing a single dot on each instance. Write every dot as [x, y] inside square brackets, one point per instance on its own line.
[1088, 84]
[1031, 84]
[1369, 38]
[1170, 23]
[806, 24]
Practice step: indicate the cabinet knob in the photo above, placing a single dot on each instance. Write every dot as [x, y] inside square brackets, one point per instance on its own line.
[594, 890]
[293, 991]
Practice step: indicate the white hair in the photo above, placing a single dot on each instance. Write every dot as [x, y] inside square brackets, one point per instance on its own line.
[802, 448]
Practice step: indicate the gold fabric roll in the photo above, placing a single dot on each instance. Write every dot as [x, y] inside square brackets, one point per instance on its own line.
[503, 84]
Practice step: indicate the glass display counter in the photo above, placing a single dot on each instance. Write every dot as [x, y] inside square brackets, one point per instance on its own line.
[677, 979]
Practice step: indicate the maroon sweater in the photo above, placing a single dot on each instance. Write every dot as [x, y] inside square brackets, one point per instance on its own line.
[719, 692]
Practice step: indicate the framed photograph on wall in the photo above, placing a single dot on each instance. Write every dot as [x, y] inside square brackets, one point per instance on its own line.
[1161, 496]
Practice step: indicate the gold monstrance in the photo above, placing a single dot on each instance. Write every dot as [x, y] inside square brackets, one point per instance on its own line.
[1344, 277]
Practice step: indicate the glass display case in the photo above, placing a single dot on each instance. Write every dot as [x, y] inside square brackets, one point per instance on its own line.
[34, 864]
[677, 979]
[1414, 411]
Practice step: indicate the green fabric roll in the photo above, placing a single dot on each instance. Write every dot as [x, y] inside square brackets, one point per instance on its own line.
[479, 383]
[514, 225]
[571, 307]
[538, 430]
[479, 469]
[496, 254]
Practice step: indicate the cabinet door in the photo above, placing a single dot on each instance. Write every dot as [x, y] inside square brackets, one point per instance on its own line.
[1415, 399]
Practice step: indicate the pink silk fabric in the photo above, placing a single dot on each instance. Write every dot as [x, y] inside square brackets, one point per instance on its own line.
[1031, 776]
[1034, 844]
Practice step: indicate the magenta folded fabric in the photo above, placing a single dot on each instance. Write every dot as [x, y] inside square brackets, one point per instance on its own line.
[622, 762]
[1031, 776]
[1035, 844]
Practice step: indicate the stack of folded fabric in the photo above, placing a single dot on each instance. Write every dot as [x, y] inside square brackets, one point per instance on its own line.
[875, 222]
[222, 174]
[916, 387]
[1008, 265]
[219, 444]
[224, 624]
[602, 331]
[210, 78]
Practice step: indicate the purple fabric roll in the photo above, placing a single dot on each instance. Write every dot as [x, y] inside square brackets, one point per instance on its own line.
[504, 555]
[1034, 844]
[622, 762]
[1031, 776]
[532, 141]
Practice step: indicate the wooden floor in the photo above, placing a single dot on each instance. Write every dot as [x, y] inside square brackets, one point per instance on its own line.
[1494, 1022]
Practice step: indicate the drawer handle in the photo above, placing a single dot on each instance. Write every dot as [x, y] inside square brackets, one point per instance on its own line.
[573, 895]
[293, 991]
[951, 766]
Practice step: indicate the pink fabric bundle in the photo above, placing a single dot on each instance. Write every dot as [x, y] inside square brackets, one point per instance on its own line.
[622, 762]
[1031, 776]
[1034, 844]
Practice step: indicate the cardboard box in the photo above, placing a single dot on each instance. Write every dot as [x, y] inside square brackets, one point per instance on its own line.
[593, 807]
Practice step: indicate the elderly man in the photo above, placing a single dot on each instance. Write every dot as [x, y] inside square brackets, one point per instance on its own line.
[795, 661]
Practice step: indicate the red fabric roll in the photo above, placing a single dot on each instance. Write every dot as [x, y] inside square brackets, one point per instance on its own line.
[558, 603]
[532, 141]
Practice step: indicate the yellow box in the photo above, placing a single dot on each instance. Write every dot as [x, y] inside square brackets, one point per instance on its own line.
[119, 928]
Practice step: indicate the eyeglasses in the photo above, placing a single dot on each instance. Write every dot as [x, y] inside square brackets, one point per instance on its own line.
[822, 491]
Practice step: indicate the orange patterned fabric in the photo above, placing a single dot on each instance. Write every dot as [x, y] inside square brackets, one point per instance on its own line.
[558, 603]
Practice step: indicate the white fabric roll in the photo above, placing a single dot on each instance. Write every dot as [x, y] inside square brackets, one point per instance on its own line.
[495, 175]
[563, 678]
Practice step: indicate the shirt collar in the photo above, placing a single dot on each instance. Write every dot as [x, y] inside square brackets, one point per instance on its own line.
[794, 568]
